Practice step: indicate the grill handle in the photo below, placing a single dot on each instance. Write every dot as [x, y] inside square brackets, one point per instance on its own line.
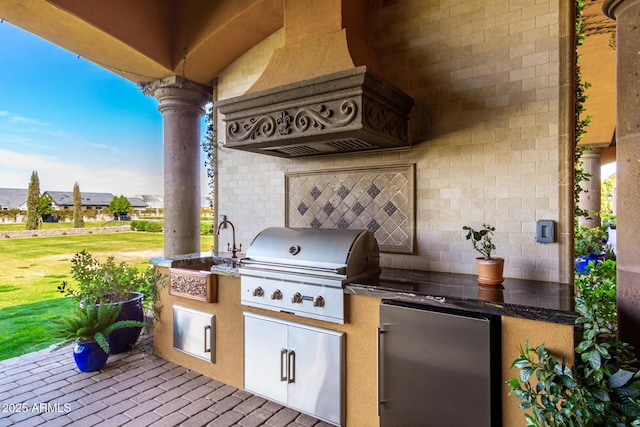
[290, 267]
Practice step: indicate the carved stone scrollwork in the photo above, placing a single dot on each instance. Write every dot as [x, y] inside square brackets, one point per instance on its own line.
[321, 116]
[190, 285]
[284, 123]
[255, 127]
[193, 285]
[312, 118]
[385, 121]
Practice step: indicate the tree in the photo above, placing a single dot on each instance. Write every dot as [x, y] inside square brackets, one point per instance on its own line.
[606, 196]
[45, 206]
[78, 221]
[33, 197]
[120, 205]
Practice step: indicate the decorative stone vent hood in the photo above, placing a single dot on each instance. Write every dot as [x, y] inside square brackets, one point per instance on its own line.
[318, 94]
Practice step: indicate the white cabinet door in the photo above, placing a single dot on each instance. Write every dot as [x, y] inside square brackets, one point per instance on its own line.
[317, 385]
[297, 365]
[194, 333]
[264, 342]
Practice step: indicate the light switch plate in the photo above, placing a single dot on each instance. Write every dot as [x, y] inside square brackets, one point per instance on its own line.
[545, 231]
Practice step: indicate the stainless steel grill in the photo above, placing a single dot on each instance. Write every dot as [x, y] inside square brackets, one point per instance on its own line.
[303, 271]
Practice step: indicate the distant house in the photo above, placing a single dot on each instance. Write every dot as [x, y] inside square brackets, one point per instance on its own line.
[64, 199]
[16, 198]
[137, 203]
[153, 201]
[13, 198]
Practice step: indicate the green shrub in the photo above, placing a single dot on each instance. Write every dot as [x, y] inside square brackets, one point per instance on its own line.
[597, 288]
[206, 229]
[603, 387]
[104, 282]
[9, 214]
[65, 214]
[149, 226]
[589, 241]
[153, 227]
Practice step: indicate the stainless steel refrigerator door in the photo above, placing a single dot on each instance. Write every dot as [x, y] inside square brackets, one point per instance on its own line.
[434, 369]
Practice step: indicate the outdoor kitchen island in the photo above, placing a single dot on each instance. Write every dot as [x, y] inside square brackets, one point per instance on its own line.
[528, 310]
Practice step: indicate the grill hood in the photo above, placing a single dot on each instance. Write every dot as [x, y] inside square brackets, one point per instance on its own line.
[345, 252]
[323, 92]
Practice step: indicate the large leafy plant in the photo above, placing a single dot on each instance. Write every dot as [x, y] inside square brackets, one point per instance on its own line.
[91, 323]
[603, 387]
[111, 282]
[589, 240]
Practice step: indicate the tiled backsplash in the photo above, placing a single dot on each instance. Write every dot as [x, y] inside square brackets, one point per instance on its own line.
[490, 141]
[379, 199]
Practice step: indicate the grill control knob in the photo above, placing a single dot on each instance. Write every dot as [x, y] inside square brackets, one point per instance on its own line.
[296, 298]
[276, 294]
[258, 292]
[318, 301]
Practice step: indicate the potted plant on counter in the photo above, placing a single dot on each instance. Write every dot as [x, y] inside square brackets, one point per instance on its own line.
[490, 269]
[90, 326]
[115, 284]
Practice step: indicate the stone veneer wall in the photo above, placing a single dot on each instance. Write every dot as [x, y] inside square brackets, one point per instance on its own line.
[16, 234]
[490, 131]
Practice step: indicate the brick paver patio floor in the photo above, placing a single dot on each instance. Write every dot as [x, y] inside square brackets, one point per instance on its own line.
[134, 389]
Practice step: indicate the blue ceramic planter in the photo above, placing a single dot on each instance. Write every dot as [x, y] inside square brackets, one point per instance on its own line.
[582, 263]
[123, 340]
[89, 356]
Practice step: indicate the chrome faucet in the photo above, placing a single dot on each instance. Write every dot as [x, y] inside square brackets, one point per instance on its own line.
[230, 248]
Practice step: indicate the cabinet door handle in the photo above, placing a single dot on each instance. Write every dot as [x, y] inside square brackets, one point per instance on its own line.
[291, 366]
[206, 349]
[283, 362]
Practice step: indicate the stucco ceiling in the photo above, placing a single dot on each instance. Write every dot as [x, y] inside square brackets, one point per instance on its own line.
[145, 40]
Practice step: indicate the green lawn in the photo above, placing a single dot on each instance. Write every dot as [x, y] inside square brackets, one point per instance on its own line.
[32, 268]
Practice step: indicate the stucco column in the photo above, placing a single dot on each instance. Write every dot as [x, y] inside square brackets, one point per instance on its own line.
[627, 16]
[590, 200]
[181, 104]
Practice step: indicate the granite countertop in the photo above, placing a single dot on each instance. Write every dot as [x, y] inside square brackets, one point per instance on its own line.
[221, 263]
[529, 299]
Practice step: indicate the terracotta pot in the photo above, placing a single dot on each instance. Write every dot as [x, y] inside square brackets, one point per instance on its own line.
[490, 271]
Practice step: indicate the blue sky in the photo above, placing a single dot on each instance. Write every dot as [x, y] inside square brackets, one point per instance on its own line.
[73, 121]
